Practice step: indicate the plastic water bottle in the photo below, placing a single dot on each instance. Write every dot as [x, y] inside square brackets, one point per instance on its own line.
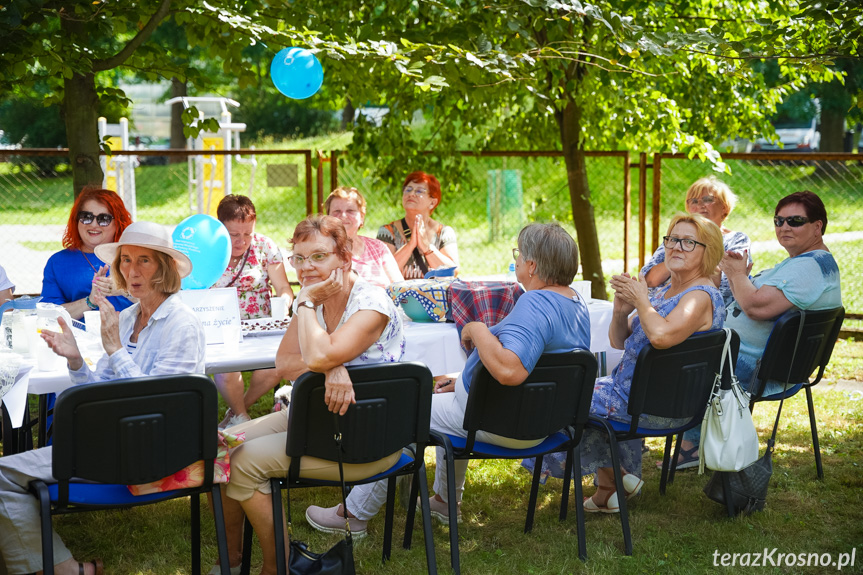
[510, 273]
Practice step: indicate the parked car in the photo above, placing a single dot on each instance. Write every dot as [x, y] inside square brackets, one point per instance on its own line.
[800, 136]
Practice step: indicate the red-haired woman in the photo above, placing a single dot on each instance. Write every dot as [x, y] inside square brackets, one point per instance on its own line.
[73, 275]
[418, 242]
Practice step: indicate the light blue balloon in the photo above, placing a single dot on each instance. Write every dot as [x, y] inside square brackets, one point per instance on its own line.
[206, 241]
[296, 73]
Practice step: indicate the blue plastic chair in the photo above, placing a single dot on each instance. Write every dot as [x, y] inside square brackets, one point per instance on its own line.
[129, 432]
[552, 405]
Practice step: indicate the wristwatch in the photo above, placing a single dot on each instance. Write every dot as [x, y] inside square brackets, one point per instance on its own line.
[306, 303]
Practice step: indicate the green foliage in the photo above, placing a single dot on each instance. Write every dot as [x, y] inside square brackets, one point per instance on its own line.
[267, 113]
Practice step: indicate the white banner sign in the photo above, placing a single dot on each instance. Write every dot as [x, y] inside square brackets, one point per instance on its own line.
[218, 311]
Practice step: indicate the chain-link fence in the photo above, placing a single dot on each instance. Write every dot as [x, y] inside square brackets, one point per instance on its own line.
[495, 195]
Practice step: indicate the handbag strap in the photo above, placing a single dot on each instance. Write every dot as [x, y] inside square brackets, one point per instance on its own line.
[338, 439]
[772, 440]
[242, 266]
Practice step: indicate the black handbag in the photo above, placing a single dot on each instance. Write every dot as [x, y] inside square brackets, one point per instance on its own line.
[339, 559]
[745, 491]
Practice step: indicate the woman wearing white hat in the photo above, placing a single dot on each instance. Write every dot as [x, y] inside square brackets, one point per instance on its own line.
[158, 335]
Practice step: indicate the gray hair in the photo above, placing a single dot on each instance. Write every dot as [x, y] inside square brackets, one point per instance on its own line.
[552, 249]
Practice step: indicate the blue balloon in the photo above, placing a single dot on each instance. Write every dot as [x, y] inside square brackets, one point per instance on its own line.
[297, 73]
[207, 243]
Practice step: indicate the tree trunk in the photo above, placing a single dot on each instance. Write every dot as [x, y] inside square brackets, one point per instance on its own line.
[80, 111]
[178, 140]
[348, 113]
[832, 130]
[569, 121]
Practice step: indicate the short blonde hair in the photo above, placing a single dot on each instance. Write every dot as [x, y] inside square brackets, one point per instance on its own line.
[708, 234]
[166, 280]
[346, 193]
[713, 186]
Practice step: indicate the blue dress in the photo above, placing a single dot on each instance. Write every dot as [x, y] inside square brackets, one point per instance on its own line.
[69, 275]
[611, 396]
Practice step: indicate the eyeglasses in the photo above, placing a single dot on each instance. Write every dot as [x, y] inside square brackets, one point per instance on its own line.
[515, 252]
[315, 258]
[686, 244]
[705, 201]
[415, 191]
[87, 218]
[793, 221]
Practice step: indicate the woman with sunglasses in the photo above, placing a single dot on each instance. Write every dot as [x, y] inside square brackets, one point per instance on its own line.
[74, 275]
[418, 242]
[807, 279]
[713, 199]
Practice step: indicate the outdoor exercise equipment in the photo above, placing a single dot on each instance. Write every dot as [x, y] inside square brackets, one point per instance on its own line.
[210, 176]
[118, 172]
[296, 73]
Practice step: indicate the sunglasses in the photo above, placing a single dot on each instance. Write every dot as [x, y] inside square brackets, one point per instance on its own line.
[793, 221]
[87, 218]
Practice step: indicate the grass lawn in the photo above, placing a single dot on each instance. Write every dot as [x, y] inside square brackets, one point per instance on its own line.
[675, 533]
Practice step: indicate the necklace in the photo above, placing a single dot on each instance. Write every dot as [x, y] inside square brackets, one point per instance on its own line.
[88, 262]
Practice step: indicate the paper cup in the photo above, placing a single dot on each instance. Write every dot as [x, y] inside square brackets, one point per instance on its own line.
[93, 322]
[231, 336]
[583, 288]
[279, 308]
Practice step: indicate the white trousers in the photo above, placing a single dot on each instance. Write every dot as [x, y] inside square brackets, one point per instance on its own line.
[447, 416]
[20, 525]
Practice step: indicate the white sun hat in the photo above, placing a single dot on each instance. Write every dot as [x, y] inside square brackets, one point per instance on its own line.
[146, 235]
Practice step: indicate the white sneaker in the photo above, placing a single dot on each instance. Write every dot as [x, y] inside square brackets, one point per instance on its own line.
[440, 510]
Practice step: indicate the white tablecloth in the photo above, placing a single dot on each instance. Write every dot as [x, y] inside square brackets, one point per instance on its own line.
[435, 344]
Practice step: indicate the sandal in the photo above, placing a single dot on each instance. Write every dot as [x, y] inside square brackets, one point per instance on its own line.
[611, 504]
[632, 484]
[688, 458]
[97, 567]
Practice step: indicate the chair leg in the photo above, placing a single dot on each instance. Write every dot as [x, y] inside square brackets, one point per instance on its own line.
[579, 505]
[246, 565]
[618, 483]
[412, 508]
[388, 523]
[534, 489]
[816, 447]
[221, 534]
[667, 474]
[47, 528]
[421, 483]
[195, 510]
[567, 480]
[726, 493]
[453, 510]
[278, 527]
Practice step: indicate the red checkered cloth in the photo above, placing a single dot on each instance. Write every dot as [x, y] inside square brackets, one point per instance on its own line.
[488, 302]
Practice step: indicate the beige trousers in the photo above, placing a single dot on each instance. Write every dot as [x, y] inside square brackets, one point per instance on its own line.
[262, 456]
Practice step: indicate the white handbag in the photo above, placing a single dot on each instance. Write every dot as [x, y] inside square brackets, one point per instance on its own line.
[729, 441]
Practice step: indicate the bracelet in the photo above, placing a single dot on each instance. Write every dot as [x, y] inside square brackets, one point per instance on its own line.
[428, 252]
[90, 304]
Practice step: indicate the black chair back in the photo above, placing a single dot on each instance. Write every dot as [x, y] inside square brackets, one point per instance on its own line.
[820, 330]
[393, 410]
[544, 404]
[676, 382]
[135, 431]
